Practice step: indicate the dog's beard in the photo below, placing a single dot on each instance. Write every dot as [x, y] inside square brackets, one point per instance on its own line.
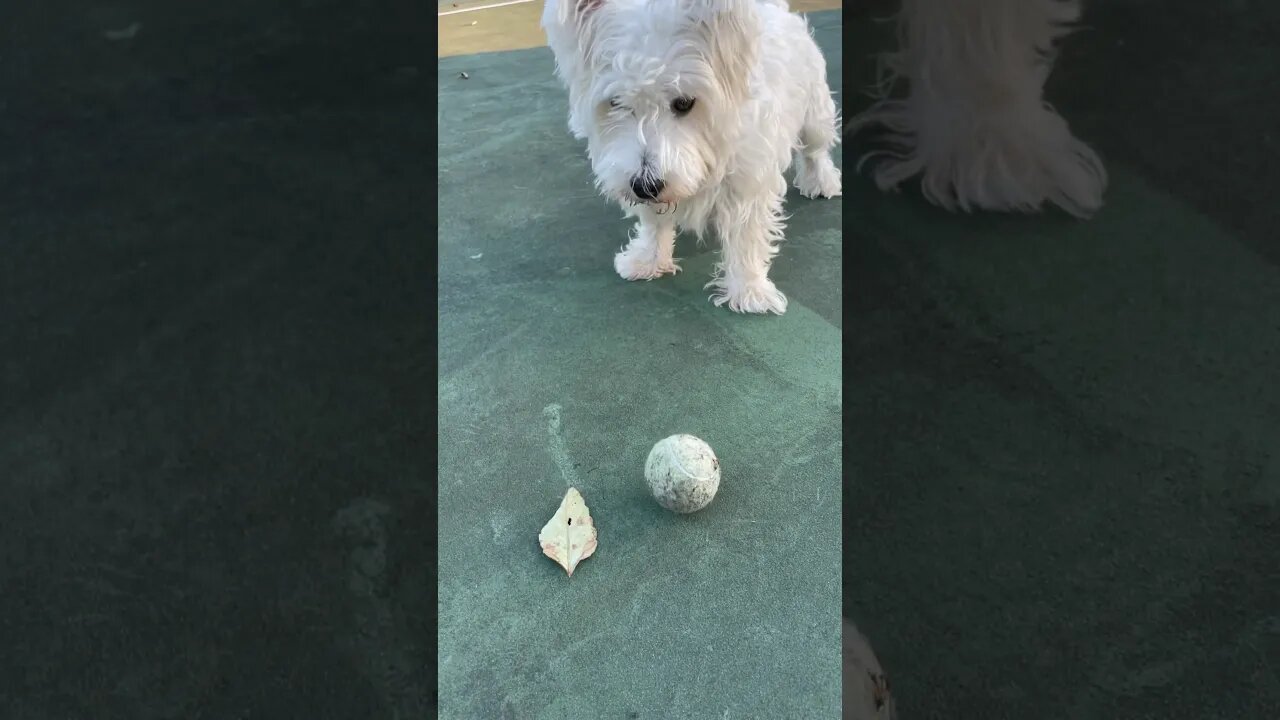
[661, 208]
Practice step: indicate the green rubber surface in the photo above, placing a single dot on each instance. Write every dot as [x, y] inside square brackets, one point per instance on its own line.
[216, 387]
[1063, 497]
[555, 372]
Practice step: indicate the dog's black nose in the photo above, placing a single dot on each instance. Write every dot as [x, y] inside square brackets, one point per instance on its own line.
[646, 188]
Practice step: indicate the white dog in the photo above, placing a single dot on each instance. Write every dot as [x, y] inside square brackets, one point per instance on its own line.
[974, 125]
[692, 111]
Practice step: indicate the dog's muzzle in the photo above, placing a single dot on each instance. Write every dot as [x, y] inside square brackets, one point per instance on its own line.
[646, 188]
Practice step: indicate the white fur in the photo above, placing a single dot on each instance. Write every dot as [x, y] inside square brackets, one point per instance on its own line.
[760, 94]
[975, 125]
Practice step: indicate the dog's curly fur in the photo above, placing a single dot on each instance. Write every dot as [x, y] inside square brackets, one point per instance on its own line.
[692, 111]
[974, 125]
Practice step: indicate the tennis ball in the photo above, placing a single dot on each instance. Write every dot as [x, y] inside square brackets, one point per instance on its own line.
[683, 473]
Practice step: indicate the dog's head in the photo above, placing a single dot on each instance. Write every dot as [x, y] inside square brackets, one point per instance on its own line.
[663, 85]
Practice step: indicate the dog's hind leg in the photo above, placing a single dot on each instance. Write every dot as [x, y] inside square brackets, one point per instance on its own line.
[974, 124]
[650, 253]
[816, 174]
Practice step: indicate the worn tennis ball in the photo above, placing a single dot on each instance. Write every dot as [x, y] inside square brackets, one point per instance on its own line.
[683, 473]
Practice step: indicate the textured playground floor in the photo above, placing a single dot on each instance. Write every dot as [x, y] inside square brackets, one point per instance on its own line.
[555, 372]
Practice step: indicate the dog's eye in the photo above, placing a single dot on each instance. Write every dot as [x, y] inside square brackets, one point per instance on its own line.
[682, 105]
[613, 103]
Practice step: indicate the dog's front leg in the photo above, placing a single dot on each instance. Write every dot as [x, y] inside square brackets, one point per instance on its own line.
[650, 252]
[749, 229]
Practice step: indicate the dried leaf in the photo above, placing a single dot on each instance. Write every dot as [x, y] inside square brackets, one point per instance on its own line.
[570, 536]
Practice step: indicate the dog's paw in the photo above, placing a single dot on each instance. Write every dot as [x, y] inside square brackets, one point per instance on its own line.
[819, 179]
[757, 296]
[643, 265]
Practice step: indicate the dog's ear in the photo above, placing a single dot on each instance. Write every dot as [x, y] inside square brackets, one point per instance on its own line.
[730, 30]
